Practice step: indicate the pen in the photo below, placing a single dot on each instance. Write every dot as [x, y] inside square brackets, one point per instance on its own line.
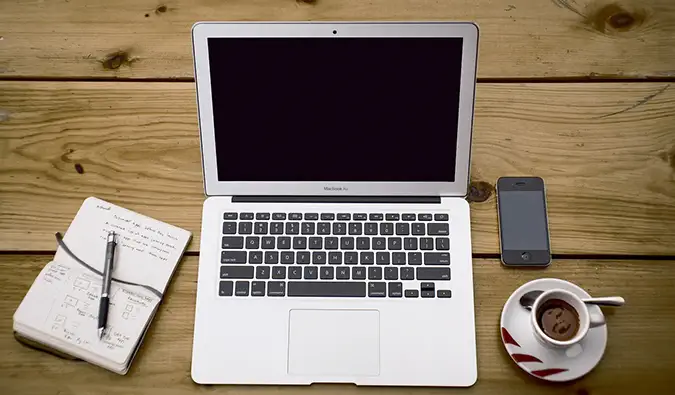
[105, 288]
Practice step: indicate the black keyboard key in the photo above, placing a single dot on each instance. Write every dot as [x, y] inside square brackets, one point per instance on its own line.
[374, 273]
[255, 257]
[377, 290]
[272, 257]
[262, 272]
[308, 228]
[379, 243]
[441, 217]
[391, 273]
[311, 273]
[386, 228]
[360, 217]
[436, 258]
[252, 242]
[260, 228]
[392, 217]
[394, 243]
[279, 216]
[402, 229]
[241, 288]
[367, 258]
[311, 216]
[279, 272]
[407, 273]
[294, 273]
[444, 293]
[326, 273]
[424, 217]
[262, 216]
[363, 243]
[414, 258]
[276, 288]
[324, 228]
[246, 216]
[299, 243]
[398, 258]
[376, 217]
[355, 228]
[344, 217]
[435, 229]
[287, 257]
[295, 216]
[283, 243]
[245, 228]
[395, 290]
[229, 228]
[351, 258]
[230, 216]
[426, 243]
[233, 257]
[433, 273]
[442, 243]
[258, 288]
[327, 289]
[418, 229]
[427, 286]
[409, 217]
[319, 258]
[335, 258]
[225, 288]
[292, 228]
[427, 294]
[302, 257]
[410, 243]
[412, 293]
[359, 273]
[315, 243]
[339, 228]
[331, 243]
[277, 228]
[371, 228]
[232, 242]
[268, 243]
[383, 258]
[346, 243]
[342, 273]
[237, 272]
[327, 217]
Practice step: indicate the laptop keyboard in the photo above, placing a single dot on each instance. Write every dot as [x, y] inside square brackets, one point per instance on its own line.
[335, 255]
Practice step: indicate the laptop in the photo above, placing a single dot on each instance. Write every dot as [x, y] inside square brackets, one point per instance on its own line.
[335, 242]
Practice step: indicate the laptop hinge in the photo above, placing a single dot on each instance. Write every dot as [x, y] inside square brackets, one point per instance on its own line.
[337, 199]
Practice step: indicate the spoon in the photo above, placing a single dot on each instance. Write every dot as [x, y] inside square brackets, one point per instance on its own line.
[528, 299]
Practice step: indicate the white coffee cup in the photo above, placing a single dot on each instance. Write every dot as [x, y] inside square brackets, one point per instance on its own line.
[586, 320]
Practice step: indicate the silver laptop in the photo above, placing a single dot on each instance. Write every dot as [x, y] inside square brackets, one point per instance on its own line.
[335, 243]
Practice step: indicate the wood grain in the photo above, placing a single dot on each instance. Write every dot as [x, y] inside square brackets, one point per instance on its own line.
[606, 152]
[519, 38]
[637, 360]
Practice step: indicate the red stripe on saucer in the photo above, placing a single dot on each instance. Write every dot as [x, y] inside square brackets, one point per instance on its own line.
[508, 339]
[525, 358]
[547, 372]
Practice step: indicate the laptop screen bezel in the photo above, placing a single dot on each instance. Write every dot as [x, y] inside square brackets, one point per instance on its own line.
[214, 187]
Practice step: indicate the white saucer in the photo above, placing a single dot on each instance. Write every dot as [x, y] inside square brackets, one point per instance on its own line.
[546, 363]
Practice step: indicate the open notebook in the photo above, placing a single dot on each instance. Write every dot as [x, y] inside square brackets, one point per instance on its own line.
[60, 310]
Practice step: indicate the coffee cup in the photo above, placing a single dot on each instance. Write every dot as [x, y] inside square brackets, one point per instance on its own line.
[561, 319]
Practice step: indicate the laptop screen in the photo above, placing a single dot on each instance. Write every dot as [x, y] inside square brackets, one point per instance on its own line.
[335, 109]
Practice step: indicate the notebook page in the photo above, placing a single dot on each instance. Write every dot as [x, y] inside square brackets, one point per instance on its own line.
[147, 252]
[63, 304]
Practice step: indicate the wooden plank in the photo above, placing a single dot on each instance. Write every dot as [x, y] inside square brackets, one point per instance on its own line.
[519, 38]
[606, 151]
[639, 334]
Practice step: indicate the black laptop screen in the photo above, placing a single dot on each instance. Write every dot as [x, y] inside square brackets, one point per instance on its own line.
[335, 109]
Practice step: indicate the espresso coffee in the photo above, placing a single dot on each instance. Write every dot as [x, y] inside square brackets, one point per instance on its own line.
[558, 319]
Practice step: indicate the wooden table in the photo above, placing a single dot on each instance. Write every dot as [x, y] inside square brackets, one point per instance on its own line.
[97, 98]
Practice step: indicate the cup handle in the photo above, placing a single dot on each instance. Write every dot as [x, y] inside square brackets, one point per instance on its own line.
[596, 320]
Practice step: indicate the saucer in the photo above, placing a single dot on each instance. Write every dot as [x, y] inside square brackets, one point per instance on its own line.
[543, 362]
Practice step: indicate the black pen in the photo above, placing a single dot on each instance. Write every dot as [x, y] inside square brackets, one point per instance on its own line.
[105, 288]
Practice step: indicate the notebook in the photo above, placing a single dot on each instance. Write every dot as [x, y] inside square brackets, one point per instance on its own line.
[60, 310]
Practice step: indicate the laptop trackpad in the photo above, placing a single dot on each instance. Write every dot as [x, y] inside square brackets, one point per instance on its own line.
[334, 342]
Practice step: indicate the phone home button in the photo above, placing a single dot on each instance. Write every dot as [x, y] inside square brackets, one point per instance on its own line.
[525, 256]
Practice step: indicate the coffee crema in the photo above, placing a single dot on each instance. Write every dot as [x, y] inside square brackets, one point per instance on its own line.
[558, 319]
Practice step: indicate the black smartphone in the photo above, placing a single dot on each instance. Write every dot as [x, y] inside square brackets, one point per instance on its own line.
[523, 223]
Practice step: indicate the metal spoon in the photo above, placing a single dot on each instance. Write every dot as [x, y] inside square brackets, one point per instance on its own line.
[528, 299]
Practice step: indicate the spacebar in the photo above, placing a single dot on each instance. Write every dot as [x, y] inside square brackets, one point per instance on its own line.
[337, 289]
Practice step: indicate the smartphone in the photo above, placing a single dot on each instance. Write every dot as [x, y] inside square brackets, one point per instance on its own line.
[523, 223]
